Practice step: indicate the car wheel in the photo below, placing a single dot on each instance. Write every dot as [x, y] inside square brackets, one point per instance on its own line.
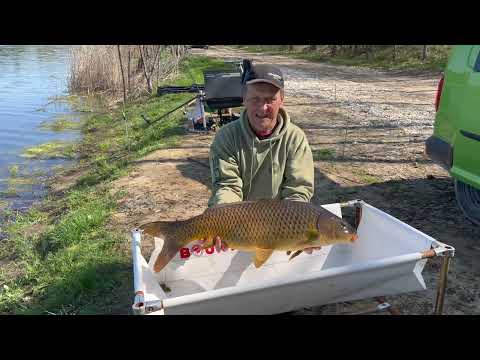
[468, 199]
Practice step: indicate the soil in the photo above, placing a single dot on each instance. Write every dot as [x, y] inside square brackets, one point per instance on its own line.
[367, 130]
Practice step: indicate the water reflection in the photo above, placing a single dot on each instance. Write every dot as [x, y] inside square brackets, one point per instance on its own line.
[30, 77]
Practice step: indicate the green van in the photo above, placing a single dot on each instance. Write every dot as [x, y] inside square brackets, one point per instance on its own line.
[455, 143]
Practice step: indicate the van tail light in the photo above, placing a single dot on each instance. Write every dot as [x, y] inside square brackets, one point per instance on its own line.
[439, 93]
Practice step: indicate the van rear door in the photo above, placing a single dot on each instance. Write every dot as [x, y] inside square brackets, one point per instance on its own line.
[466, 153]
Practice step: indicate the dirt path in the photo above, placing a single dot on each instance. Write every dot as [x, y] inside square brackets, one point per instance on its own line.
[367, 130]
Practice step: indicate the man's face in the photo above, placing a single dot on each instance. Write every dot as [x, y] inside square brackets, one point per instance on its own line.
[262, 102]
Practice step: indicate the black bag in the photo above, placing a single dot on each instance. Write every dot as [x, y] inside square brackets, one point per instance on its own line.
[223, 89]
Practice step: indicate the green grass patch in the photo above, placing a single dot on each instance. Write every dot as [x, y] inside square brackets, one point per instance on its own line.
[370, 179]
[11, 191]
[73, 263]
[51, 150]
[21, 181]
[13, 170]
[364, 176]
[63, 123]
[192, 68]
[82, 103]
[323, 154]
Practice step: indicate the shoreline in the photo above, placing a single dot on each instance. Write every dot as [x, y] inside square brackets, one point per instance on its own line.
[64, 255]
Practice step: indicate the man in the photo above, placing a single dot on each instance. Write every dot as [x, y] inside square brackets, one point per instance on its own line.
[262, 155]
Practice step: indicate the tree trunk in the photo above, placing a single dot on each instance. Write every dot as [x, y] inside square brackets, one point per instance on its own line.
[424, 52]
[333, 50]
[145, 71]
[369, 52]
[123, 76]
[128, 71]
[394, 54]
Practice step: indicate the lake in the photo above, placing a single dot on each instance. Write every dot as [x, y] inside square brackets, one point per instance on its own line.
[31, 78]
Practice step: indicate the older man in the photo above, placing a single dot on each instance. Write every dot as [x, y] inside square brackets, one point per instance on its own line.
[262, 155]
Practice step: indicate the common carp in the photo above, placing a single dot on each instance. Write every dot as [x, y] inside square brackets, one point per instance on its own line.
[261, 226]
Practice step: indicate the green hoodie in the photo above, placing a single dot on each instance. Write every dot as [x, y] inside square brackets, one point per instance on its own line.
[246, 168]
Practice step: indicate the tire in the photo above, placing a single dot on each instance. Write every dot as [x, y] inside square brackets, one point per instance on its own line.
[468, 199]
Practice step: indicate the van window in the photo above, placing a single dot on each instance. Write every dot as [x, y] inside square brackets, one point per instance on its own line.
[476, 68]
[472, 56]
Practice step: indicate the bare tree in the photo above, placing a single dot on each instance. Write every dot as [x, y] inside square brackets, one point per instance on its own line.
[424, 52]
[92, 68]
[149, 55]
[123, 75]
[128, 70]
[369, 51]
[333, 50]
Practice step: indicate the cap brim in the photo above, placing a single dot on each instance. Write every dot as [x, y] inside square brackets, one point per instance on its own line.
[263, 81]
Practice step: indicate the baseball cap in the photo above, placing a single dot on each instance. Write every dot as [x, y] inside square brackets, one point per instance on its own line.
[264, 73]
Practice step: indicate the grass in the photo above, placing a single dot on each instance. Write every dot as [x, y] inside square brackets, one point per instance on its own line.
[65, 265]
[63, 123]
[19, 182]
[191, 70]
[364, 176]
[13, 170]
[93, 103]
[51, 150]
[407, 57]
[323, 154]
[11, 191]
[66, 258]
[369, 179]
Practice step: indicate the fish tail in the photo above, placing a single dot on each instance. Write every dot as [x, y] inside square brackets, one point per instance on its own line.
[167, 230]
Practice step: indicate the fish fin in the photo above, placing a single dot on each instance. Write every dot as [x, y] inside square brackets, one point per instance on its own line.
[171, 244]
[169, 250]
[262, 255]
[295, 254]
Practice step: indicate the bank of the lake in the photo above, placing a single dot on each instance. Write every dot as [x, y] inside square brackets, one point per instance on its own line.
[64, 256]
[33, 79]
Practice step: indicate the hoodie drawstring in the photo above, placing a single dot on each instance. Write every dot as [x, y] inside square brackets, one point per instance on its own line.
[251, 166]
[271, 164]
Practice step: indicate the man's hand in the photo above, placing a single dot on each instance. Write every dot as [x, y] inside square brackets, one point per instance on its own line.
[310, 249]
[217, 242]
[219, 245]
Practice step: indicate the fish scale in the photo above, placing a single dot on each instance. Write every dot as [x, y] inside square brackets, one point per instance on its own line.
[258, 223]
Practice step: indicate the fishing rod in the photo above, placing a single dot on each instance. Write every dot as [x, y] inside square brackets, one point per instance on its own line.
[149, 122]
